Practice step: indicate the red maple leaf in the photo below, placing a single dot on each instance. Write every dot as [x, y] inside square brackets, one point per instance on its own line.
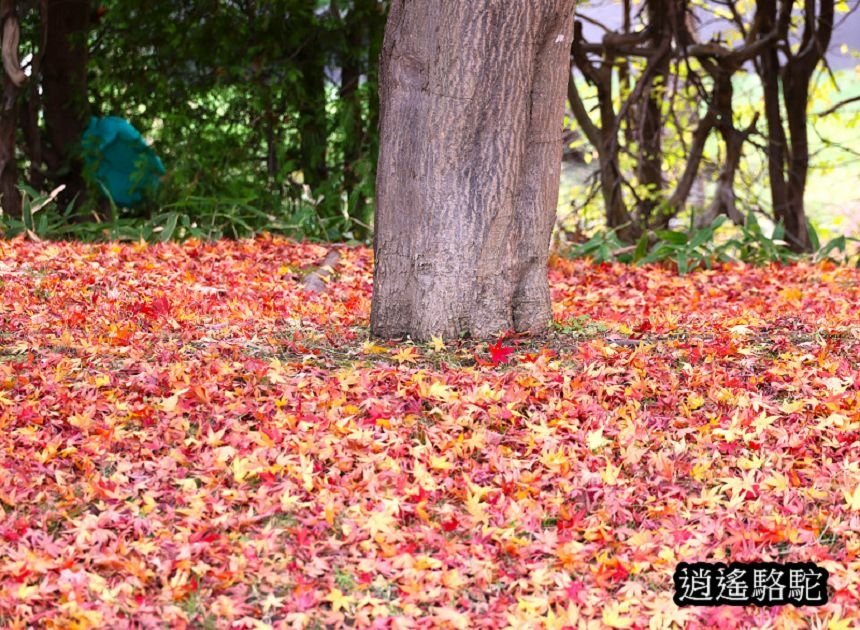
[574, 589]
[500, 353]
[160, 306]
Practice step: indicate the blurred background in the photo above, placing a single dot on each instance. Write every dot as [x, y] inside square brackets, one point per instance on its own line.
[157, 120]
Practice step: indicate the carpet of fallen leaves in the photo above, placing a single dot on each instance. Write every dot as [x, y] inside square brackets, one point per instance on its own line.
[189, 438]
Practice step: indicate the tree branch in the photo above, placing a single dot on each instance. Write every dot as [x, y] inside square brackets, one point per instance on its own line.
[694, 158]
[583, 119]
[841, 103]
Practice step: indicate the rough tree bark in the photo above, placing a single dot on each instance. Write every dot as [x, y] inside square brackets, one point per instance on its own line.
[472, 103]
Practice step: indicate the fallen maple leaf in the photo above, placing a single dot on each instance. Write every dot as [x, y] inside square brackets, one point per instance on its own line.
[853, 499]
[243, 464]
[338, 600]
[499, 353]
[406, 355]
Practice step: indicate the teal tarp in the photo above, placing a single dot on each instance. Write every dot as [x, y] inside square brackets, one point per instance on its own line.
[118, 158]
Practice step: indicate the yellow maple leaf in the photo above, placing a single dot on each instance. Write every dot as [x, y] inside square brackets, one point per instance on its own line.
[241, 467]
[169, 404]
[694, 401]
[595, 440]
[329, 512]
[82, 421]
[439, 390]
[381, 522]
[792, 406]
[778, 482]
[424, 562]
[26, 592]
[338, 600]
[368, 347]
[791, 294]
[438, 344]
[613, 615]
[223, 607]
[406, 355]
[149, 504]
[853, 499]
[532, 604]
[187, 485]
[836, 623]
[475, 508]
[763, 421]
[817, 493]
[451, 617]
[452, 579]
[440, 463]
[610, 473]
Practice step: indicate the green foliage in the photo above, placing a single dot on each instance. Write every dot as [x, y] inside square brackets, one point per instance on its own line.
[205, 218]
[580, 326]
[688, 251]
[247, 107]
[701, 248]
[752, 245]
[605, 246]
[40, 216]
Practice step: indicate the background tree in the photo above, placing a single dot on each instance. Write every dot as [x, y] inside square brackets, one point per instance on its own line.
[276, 127]
[788, 154]
[286, 100]
[64, 94]
[273, 127]
[13, 78]
[472, 102]
[665, 101]
[362, 31]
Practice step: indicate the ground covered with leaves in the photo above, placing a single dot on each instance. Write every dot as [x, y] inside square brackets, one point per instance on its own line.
[189, 437]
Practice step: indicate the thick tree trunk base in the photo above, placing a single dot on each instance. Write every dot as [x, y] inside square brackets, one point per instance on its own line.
[472, 101]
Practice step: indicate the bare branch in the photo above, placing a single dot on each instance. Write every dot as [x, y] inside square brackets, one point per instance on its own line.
[596, 23]
[581, 114]
[694, 158]
[838, 105]
[737, 56]
[636, 94]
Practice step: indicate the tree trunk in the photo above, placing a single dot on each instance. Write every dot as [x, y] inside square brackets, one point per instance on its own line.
[64, 94]
[353, 64]
[796, 77]
[472, 105]
[10, 198]
[603, 138]
[313, 122]
[31, 106]
[788, 160]
[649, 168]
